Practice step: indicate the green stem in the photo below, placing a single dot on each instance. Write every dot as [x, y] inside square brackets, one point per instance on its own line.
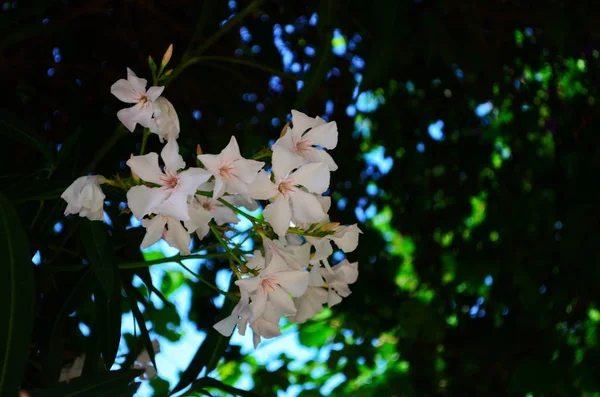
[144, 140]
[239, 211]
[208, 284]
[214, 230]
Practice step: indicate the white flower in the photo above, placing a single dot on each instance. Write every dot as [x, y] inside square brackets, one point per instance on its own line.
[170, 199]
[267, 325]
[295, 256]
[85, 197]
[287, 193]
[313, 299]
[165, 122]
[232, 172]
[239, 316]
[274, 284]
[133, 90]
[302, 144]
[338, 277]
[171, 230]
[345, 237]
[202, 209]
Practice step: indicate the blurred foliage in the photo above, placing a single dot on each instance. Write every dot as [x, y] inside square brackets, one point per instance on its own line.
[468, 151]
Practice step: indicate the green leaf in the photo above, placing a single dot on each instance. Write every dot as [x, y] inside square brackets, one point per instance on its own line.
[108, 323]
[208, 354]
[53, 360]
[112, 383]
[18, 131]
[31, 189]
[315, 334]
[16, 299]
[99, 249]
[142, 323]
[212, 383]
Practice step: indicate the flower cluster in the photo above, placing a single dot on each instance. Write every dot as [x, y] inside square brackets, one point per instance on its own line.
[290, 275]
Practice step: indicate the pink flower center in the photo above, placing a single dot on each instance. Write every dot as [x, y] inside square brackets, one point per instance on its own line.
[207, 204]
[303, 145]
[285, 187]
[169, 180]
[268, 284]
[226, 171]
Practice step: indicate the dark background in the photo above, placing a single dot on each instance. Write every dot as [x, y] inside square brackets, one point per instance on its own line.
[479, 262]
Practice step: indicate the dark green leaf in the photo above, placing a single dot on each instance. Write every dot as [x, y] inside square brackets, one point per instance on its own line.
[99, 248]
[108, 322]
[31, 189]
[16, 299]
[212, 383]
[113, 383]
[141, 322]
[18, 131]
[53, 359]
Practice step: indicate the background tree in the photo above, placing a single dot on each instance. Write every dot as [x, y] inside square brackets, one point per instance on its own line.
[467, 151]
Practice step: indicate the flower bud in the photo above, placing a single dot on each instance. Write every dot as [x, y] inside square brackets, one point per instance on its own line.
[330, 226]
[284, 129]
[167, 57]
[198, 150]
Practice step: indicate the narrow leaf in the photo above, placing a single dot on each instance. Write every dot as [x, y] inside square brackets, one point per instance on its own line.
[139, 318]
[212, 383]
[67, 147]
[14, 129]
[99, 249]
[108, 322]
[16, 299]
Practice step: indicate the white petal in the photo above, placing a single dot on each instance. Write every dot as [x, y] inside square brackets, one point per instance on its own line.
[323, 250]
[178, 237]
[306, 207]
[225, 327]
[236, 186]
[198, 222]
[284, 161]
[175, 206]
[325, 135]
[142, 199]
[249, 284]
[231, 152]
[211, 162]
[314, 155]
[171, 157]
[154, 230]
[124, 91]
[333, 298]
[346, 237]
[341, 288]
[191, 179]
[315, 279]
[154, 92]
[301, 122]
[247, 170]
[314, 177]
[130, 117]
[225, 215]
[279, 215]
[262, 188]
[138, 84]
[294, 282]
[281, 300]
[346, 271]
[258, 304]
[96, 215]
[146, 167]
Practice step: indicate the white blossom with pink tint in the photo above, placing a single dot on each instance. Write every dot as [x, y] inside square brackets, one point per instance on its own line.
[307, 137]
[232, 172]
[171, 195]
[169, 229]
[133, 90]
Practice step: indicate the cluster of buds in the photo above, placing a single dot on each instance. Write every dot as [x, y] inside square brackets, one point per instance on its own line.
[290, 275]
